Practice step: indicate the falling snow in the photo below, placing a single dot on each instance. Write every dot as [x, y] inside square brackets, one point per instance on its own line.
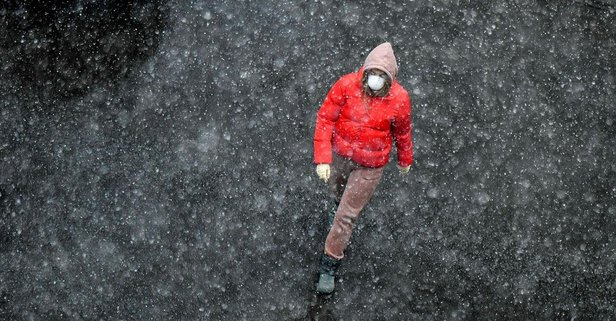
[156, 161]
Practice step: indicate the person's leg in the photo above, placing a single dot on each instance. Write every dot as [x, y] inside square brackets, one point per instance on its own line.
[353, 186]
[340, 171]
[359, 189]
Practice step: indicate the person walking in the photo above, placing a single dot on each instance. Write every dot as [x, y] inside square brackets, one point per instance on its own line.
[362, 116]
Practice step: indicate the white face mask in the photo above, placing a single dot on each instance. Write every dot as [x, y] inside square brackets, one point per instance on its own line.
[375, 82]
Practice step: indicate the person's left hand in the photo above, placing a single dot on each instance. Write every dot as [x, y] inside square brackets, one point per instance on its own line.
[404, 170]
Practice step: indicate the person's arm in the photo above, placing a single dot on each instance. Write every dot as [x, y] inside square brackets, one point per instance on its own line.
[402, 128]
[326, 118]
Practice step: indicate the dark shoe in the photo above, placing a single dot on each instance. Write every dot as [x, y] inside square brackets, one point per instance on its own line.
[328, 271]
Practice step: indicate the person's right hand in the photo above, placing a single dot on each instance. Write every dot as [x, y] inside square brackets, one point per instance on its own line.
[323, 170]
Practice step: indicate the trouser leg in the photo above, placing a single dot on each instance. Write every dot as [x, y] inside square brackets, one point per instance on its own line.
[340, 171]
[360, 187]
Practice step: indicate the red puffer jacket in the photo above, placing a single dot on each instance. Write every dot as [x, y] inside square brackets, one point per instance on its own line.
[360, 127]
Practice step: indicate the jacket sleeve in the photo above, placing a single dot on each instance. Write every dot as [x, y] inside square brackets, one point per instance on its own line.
[402, 132]
[326, 118]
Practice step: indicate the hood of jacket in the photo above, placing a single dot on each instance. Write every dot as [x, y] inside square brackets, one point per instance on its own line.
[382, 57]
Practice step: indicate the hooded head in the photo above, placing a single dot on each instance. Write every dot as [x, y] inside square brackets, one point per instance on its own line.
[382, 58]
